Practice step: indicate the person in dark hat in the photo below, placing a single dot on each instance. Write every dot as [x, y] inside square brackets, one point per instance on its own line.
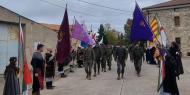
[38, 70]
[176, 54]
[170, 84]
[11, 76]
[50, 69]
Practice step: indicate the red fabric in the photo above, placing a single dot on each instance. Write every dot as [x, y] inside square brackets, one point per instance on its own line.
[40, 79]
[64, 43]
[163, 70]
[27, 74]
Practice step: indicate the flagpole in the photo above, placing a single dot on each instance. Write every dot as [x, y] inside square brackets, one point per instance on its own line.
[164, 30]
[19, 44]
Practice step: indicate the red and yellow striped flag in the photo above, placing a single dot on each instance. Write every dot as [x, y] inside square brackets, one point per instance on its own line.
[155, 27]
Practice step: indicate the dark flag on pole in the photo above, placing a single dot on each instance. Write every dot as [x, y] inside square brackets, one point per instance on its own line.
[140, 30]
[63, 43]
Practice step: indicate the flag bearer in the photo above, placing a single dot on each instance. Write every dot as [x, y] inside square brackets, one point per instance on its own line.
[120, 57]
[138, 56]
[89, 58]
[97, 52]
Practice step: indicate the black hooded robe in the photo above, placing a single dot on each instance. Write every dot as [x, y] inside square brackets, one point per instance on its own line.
[12, 86]
[169, 83]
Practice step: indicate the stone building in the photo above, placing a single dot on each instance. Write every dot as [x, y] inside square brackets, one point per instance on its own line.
[74, 42]
[34, 33]
[174, 15]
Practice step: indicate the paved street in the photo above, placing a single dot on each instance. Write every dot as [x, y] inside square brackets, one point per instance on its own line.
[106, 83]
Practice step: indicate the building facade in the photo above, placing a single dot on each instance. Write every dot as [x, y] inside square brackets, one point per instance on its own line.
[174, 15]
[34, 33]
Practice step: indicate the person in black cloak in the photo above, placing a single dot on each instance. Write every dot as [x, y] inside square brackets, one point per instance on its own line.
[11, 76]
[169, 83]
[50, 68]
[152, 59]
[148, 55]
[176, 54]
[38, 70]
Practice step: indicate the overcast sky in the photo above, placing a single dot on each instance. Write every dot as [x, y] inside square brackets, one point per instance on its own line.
[41, 11]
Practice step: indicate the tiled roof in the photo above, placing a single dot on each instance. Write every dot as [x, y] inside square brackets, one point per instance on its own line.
[54, 27]
[171, 3]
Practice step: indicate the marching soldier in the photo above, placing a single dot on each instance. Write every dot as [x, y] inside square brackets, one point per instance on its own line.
[114, 50]
[89, 58]
[109, 53]
[138, 56]
[80, 55]
[131, 49]
[103, 57]
[121, 56]
[97, 52]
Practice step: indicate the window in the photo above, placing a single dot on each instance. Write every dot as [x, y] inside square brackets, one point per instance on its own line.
[177, 21]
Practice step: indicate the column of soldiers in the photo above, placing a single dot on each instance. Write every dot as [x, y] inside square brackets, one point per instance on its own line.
[100, 56]
[97, 57]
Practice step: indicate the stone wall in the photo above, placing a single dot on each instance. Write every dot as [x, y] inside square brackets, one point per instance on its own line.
[33, 32]
[167, 20]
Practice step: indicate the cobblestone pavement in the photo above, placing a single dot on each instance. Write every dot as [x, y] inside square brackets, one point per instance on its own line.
[106, 83]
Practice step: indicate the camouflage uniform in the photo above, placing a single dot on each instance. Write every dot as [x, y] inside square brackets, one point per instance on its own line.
[97, 52]
[131, 49]
[88, 61]
[103, 57]
[121, 56]
[114, 51]
[109, 53]
[80, 57]
[138, 56]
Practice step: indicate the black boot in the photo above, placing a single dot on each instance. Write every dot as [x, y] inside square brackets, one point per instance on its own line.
[63, 75]
[118, 78]
[48, 85]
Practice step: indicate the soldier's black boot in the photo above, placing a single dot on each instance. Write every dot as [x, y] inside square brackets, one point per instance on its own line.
[87, 76]
[94, 74]
[63, 75]
[109, 68]
[118, 78]
[122, 76]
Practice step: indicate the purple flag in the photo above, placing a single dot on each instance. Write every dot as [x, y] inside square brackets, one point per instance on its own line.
[81, 34]
[63, 43]
[140, 30]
